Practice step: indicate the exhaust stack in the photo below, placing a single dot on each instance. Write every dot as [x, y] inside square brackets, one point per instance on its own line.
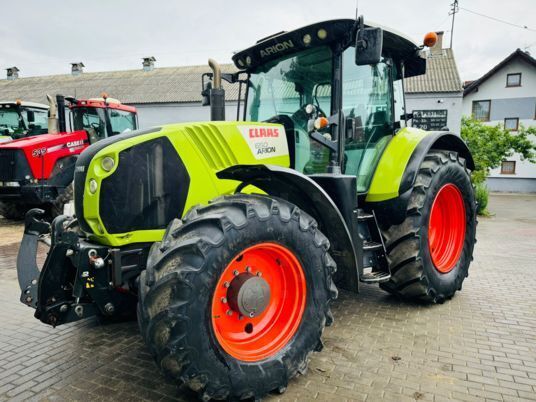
[62, 124]
[217, 93]
[52, 115]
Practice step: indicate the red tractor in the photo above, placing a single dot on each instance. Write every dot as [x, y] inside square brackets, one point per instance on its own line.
[39, 170]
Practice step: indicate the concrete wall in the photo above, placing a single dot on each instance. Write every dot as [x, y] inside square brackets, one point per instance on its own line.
[511, 185]
[156, 114]
[509, 102]
[452, 102]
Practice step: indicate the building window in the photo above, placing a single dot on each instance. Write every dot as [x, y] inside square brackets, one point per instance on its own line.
[481, 110]
[508, 167]
[511, 123]
[513, 80]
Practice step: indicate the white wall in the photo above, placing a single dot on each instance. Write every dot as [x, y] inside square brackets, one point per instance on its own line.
[452, 102]
[156, 114]
[509, 102]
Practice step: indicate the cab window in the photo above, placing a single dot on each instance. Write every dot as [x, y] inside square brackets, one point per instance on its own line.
[367, 101]
[121, 121]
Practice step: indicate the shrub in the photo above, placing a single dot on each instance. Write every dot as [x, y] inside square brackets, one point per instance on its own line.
[481, 196]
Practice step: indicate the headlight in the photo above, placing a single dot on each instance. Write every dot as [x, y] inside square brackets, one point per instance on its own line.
[107, 163]
[93, 186]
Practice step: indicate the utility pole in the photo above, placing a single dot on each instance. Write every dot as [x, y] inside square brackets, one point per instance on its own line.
[453, 10]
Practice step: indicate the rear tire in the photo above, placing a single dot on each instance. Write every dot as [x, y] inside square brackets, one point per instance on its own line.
[182, 284]
[12, 210]
[422, 268]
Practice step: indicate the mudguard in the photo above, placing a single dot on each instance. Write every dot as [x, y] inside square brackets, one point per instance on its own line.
[398, 167]
[306, 194]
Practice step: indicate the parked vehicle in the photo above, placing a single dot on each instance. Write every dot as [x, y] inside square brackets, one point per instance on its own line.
[231, 236]
[37, 170]
[20, 119]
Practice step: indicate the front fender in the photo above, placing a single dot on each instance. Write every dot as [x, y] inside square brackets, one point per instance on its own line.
[307, 195]
[397, 169]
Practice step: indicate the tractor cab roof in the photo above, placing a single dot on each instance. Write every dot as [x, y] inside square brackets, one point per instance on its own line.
[35, 105]
[395, 45]
[111, 103]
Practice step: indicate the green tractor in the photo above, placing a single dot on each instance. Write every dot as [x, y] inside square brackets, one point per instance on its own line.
[230, 238]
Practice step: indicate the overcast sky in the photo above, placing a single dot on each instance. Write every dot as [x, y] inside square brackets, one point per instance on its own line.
[43, 37]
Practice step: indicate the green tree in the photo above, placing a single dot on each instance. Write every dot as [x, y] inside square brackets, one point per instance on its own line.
[490, 145]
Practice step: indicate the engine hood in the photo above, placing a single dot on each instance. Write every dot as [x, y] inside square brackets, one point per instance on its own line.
[45, 140]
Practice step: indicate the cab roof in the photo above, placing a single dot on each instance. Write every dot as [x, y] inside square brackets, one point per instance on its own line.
[395, 44]
[24, 103]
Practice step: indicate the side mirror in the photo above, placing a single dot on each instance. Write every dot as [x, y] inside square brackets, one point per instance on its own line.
[368, 46]
[31, 116]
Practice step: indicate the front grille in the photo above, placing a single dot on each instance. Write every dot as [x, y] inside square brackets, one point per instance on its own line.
[13, 165]
[147, 190]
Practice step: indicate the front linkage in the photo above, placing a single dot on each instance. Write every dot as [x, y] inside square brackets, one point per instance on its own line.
[78, 279]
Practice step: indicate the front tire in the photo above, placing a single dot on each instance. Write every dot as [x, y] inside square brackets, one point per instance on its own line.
[430, 251]
[12, 210]
[212, 321]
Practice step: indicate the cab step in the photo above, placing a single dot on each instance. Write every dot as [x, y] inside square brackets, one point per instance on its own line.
[363, 216]
[372, 246]
[373, 277]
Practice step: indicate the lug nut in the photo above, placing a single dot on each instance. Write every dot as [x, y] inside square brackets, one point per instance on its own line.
[259, 273]
[248, 269]
[251, 315]
[224, 299]
[229, 312]
[235, 272]
[226, 284]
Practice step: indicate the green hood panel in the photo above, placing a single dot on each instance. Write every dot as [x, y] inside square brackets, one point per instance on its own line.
[203, 148]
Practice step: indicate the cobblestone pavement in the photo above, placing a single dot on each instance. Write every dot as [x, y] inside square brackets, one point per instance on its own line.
[479, 346]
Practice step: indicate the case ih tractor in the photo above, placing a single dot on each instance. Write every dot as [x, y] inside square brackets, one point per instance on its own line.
[20, 119]
[232, 236]
[37, 170]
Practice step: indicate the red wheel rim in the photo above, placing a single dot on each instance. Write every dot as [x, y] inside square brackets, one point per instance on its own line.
[446, 229]
[255, 338]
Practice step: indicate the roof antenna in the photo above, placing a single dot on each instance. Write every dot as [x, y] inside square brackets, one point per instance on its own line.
[356, 8]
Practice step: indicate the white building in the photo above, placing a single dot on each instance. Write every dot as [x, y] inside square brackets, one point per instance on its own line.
[435, 98]
[507, 95]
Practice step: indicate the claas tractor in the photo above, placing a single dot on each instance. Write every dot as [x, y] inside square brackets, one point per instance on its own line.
[231, 238]
[37, 168]
[19, 119]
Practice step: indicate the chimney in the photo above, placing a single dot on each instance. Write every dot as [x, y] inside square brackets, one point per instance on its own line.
[438, 47]
[77, 68]
[12, 73]
[148, 63]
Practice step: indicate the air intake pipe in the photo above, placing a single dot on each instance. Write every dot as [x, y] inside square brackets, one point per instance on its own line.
[217, 93]
[52, 115]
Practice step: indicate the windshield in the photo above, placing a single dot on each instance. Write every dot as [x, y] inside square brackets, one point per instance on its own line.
[93, 120]
[11, 120]
[122, 121]
[279, 92]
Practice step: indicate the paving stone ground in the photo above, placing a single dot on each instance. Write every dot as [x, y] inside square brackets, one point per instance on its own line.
[479, 346]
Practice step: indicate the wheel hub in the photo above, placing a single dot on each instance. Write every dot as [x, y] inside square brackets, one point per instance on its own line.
[248, 295]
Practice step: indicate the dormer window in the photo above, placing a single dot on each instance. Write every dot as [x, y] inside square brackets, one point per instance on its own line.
[513, 80]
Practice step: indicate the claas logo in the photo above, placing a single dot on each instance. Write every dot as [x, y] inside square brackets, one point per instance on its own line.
[263, 132]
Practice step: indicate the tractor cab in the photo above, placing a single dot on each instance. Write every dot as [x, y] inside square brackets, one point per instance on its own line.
[340, 107]
[20, 119]
[101, 117]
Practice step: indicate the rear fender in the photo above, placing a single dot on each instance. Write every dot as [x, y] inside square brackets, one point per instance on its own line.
[309, 196]
[397, 170]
